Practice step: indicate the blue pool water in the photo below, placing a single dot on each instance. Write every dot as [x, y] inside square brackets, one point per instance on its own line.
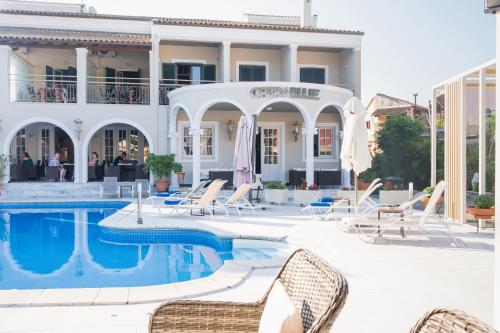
[62, 246]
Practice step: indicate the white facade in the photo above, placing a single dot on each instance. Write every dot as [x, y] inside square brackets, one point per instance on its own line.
[119, 90]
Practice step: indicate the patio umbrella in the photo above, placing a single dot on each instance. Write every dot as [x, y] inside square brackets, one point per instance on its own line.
[355, 154]
[242, 162]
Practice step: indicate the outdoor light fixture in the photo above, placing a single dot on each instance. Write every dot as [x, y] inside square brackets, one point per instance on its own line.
[78, 127]
[230, 128]
[296, 130]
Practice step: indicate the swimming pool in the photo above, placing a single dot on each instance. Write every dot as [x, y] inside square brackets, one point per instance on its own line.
[62, 246]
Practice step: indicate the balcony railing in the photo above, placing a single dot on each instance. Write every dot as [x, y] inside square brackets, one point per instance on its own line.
[42, 88]
[112, 90]
[167, 86]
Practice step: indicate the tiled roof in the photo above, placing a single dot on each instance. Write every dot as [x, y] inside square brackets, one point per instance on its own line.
[77, 37]
[187, 22]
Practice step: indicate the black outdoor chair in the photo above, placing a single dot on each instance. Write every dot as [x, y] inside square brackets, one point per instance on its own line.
[52, 173]
[28, 172]
[140, 173]
[112, 171]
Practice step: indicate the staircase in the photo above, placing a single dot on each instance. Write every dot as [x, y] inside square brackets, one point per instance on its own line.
[26, 191]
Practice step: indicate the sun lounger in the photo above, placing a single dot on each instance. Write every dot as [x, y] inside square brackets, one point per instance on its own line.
[194, 193]
[207, 202]
[237, 199]
[109, 186]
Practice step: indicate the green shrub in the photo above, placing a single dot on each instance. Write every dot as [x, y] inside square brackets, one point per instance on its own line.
[162, 165]
[429, 190]
[275, 186]
[484, 201]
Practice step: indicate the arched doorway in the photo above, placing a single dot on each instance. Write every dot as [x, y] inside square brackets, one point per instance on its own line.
[327, 145]
[111, 140]
[279, 144]
[41, 141]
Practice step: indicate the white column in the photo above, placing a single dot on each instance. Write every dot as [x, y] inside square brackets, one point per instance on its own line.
[482, 131]
[463, 152]
[309, 134]
[497, 185]
[4, 74]
[225, 61]
[433, 123]
[196, 132]
[173, 138]
[154, 72]
[81, 75]
[292, 59]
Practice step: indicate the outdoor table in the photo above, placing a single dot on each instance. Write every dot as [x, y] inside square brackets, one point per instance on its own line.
[392, 210]
[348, 199]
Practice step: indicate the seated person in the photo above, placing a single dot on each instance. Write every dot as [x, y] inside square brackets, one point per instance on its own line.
[55, 162]
[27, 161]
[120, 159]
[93, 160]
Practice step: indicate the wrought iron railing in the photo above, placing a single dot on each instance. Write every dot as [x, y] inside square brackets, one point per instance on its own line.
[167, 86]
[42, 88]
[112, 90]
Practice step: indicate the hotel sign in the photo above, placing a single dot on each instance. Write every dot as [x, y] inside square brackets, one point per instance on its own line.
[280, 92]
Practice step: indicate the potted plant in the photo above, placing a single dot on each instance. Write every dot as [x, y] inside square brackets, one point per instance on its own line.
[162, 166]
[428, 192]
[276, 192]
[483, 207]
[305, 193]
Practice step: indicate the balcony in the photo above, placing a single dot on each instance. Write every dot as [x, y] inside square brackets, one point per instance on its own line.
[168, 85]
[107, 90]
[42, 88]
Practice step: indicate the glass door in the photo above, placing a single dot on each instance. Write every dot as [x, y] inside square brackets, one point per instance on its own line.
[271, 153]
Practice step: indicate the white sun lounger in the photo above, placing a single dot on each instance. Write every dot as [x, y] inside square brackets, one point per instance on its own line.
[413, 221]
[208, 202]
[237, 199]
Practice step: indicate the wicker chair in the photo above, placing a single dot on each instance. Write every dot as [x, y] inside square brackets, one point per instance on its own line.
[450, 321]
[317, 290]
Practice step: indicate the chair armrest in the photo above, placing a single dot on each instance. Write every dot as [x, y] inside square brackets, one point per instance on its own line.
[200, 316]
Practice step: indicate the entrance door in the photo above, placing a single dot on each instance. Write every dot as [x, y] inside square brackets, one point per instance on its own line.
[271, 152]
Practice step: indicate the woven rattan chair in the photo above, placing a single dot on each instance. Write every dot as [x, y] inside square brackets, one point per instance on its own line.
[317, 290]
[450, 321]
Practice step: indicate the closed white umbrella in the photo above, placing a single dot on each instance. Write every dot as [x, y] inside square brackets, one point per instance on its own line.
[242, 162]
[355, 154]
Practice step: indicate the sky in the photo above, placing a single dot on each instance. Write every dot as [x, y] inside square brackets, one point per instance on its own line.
[409, 45]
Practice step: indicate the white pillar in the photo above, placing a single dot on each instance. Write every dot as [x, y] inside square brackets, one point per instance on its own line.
[292, 60]
[154, 72]
[463, 153]
[173, 138]
[225, 62]
[433, 123]
[196, 132]
[482, 131]
[497, 185]
[4, 73]
[81, 75]
[309, 135]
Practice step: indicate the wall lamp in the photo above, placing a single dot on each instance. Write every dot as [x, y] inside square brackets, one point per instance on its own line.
[230, 128]
[296, 130]
[78, 127]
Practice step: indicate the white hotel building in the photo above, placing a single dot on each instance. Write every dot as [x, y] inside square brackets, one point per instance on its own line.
[75, 81]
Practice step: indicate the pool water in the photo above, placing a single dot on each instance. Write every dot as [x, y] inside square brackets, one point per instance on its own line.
[62, 246]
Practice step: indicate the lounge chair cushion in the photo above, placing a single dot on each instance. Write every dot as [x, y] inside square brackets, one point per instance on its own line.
[165, 194]
[326, 199]
[173, 202]
[320, 204]
[280, 314]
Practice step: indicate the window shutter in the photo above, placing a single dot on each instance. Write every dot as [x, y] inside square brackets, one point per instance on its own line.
[168, 72]
[209, 73]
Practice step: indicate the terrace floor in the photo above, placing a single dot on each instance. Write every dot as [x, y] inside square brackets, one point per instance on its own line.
[391, 283]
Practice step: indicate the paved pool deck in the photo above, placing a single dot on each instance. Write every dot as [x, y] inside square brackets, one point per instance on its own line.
[391, 283]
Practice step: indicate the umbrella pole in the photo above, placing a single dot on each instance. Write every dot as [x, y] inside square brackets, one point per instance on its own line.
[355, 193]
[254, 153]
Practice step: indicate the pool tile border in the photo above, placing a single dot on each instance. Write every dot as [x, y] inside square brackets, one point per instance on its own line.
[230, 275]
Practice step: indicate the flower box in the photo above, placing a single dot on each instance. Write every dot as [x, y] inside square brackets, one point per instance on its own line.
[303, 197]
[275, 196]
[396, 197]
[481, 213]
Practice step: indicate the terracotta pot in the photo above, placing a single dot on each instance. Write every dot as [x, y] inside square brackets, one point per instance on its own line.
[161, 185]
[481, 213]
[362, 186]
[425, 200]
